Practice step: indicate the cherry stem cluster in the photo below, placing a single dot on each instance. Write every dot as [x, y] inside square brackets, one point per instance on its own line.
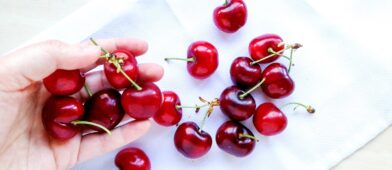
[116, 62]
[243, 95]
[82, 122]
[308, 108]
[242, 135]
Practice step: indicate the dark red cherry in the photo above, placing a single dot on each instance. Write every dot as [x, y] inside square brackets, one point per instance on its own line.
[144, 103]
[269, 120]
[104, 108]
[132, 159]
[64, 82]
[235, 139]
[205, 59]
[231, 16]
[244, 74]
[259, 47]
[58, 113]
[191, 141]
[278, 83]
[169, 114]
[128, 64]
[234, 106]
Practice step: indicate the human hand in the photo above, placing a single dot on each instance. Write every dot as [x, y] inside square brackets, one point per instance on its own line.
[24, 143]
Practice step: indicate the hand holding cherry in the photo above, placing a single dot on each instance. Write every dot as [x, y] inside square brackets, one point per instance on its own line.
[24, 95]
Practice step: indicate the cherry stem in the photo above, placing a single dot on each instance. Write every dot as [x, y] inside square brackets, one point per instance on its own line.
[290, 60]
[192, 59]
[203, 121]
[252, 89]
[270, 50]
[88, 90]
[195, 107]
[241, 135]
[308, 108]
[112, 58]
[292, 47]
[226, 2]
[82, 122]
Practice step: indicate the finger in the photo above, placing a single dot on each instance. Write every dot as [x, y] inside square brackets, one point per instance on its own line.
[135, 46]
[97, 80]
[103, 143]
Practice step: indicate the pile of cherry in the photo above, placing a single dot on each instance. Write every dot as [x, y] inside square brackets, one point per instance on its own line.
[64, 116]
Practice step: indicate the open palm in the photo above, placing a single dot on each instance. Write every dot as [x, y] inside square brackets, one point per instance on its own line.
[24, 143]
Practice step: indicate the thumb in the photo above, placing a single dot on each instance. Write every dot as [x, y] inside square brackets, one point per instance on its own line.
[35, 62]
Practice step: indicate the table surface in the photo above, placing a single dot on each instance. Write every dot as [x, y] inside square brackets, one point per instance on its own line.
[22, 19]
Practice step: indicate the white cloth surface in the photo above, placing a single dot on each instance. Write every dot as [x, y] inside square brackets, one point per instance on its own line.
[343, 70]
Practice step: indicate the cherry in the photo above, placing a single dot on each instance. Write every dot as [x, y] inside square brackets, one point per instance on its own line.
[231, 16]
[263, 46]
[169, 114]
[61, 114]
[191, 141]
[235, 139]
[58, 114]
[269, 120]
[144, 103]
[278, 83]
[129, 66]
[64, 82]
[104, 108]
[202, 60]
[236, 107]
[244, 74]
[132, 159]
[125, 63]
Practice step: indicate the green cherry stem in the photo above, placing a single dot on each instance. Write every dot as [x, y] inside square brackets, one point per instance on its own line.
[252, 89]
[116, 62]
[308, 108]
[82, 122]
[195, 106]
[203, 121]
[269, 56]
[88, 90]
[290, 60]
[241, 135]
[192, 59]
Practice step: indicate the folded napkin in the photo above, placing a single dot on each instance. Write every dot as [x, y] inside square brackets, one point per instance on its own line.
[343, 70]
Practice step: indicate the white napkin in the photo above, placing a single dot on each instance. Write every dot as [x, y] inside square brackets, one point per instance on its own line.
[343, 70]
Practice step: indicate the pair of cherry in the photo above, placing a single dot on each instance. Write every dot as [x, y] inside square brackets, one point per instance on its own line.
[103, 110]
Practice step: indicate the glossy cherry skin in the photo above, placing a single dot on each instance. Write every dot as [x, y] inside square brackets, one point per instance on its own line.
[269, 120]
[142, 104]
[243, 74]
[132, 159]
[64, 82]
[231, 16]
[278, 83]
[104, 108]
[58, 113]
[168, 114]
[205, 57]
[117, 79]
[234, 107]
[191, 142]
[258, 47]
[228, 139]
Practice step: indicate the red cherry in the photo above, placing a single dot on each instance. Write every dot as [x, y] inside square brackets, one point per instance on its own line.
[128, 64]
[244, 74]
[278, 83]
[260, 47]
[169, 114]
[231, 16]
[202, 59]
[191, 141]
[132, 159]
[104, 108]
[235, 139]
[64, 82]
[234, 106]
[269, 120]
[58, 114]
[144, 103]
